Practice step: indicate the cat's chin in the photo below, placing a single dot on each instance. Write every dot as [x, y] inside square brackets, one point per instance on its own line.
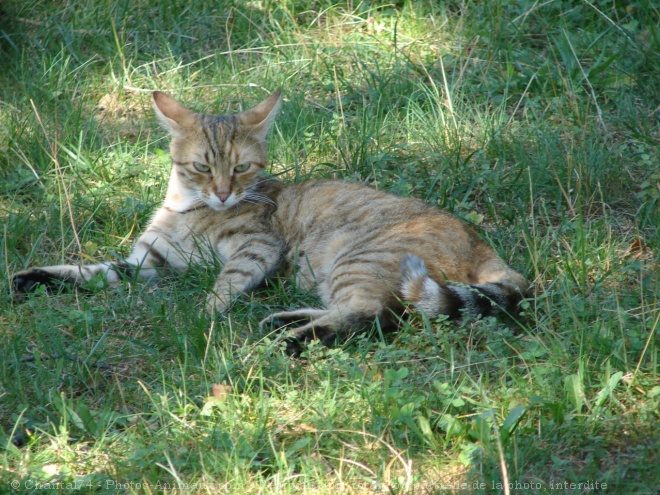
[219, 207]
[222, 206]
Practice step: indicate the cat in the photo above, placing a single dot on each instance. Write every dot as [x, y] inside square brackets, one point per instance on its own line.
[364, 251]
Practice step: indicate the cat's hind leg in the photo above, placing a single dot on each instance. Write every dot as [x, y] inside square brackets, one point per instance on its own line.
[325, 325]
[284, 319]
[317, 324]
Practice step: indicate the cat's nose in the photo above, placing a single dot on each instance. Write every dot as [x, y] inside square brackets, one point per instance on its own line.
[222, 196]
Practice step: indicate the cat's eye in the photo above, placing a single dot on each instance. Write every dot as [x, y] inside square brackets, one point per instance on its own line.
[243, 167]
[200, 167]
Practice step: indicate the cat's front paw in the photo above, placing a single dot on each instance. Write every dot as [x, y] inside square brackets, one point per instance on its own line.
[27, 281]
[216, 305]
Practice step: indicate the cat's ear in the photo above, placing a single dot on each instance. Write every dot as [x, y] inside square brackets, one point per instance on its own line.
[172, 114]
[260, 118]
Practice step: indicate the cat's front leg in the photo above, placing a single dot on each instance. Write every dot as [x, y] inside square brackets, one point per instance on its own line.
[53, 277]
[236, 278]
[243, 271]
[150, 256]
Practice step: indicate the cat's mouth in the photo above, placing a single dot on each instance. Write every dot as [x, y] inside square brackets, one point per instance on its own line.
[222, 203]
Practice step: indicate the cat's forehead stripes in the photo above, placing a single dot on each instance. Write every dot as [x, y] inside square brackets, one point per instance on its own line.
[219, 131]
[210, 143]
[210, 128]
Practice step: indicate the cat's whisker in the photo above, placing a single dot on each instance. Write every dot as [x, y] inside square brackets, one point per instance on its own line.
[258, 198]
[269, 201]
[245, 147]
[259, 182]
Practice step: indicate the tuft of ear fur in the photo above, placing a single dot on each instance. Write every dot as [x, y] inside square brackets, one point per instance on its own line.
[261, 117]
[172, 114]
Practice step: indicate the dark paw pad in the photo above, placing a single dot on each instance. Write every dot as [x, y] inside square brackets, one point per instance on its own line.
[28, 281]
[326, 336]
[294, 347]
[295, 344]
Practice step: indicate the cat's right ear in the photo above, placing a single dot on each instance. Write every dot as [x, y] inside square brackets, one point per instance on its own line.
[172, 114]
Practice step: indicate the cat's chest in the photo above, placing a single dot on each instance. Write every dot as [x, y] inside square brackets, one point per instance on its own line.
[213, 234]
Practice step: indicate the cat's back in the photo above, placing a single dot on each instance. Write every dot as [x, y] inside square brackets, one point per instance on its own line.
[329, 205]
[333, 222]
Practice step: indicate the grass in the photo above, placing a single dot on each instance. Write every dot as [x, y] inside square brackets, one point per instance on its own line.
[536, 121]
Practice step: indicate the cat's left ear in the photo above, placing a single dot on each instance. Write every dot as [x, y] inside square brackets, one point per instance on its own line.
[261, 117]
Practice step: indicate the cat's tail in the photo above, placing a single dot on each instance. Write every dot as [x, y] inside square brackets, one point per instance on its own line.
[474, 300]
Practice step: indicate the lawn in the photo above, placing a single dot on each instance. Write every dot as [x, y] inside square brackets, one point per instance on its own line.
[536, 121]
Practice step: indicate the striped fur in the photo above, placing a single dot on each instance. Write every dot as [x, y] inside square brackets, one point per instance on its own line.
[362, 250]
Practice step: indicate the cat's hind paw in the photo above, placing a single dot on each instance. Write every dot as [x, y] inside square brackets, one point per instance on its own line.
[299, 327]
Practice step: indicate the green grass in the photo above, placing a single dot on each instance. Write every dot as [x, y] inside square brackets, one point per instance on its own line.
[537, 121]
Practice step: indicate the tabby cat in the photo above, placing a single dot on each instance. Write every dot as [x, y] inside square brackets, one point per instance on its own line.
[364, 251]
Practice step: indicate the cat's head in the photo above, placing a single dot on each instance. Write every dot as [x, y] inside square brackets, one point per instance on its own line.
[217, 159]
